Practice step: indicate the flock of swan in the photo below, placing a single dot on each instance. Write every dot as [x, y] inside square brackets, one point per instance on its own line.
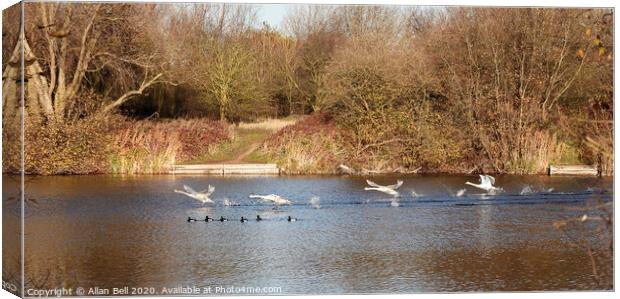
[487, 183]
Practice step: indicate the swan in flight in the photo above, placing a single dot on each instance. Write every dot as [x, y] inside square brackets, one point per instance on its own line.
[275, 199]
[390, 189]
[486, 183]
[202, 196]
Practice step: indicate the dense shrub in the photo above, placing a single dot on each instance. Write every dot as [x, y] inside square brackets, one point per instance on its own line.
[104, 144]
[380, 96]
[312, 145]
[71, 147]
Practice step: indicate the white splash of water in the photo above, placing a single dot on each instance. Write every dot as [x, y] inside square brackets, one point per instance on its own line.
[414, 194]
[460, 192]
[526, 190]
[315, 202]
[394, 203]
[229, 203]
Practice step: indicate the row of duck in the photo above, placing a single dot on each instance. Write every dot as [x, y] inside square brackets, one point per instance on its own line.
[224, 219]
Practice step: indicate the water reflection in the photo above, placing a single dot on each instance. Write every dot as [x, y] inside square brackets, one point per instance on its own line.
[114, 231]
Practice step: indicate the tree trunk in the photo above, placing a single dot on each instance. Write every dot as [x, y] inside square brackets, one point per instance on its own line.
[222, 112]
[37, 97]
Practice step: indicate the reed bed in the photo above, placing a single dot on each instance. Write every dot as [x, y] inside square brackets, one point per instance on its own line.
[150, 147]
[540, 149]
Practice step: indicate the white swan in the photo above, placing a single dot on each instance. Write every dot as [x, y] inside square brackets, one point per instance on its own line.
[486, 183]
[202, 196]
[275, 199]
[390, 189]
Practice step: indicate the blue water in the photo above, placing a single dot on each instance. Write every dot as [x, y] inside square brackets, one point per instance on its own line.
[113, 231]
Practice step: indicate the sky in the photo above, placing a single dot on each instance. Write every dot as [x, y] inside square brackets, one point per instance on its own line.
[272, 14]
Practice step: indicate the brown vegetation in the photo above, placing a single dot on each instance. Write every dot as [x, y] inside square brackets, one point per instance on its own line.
[508, 90]
[151, 147]
[312, 145]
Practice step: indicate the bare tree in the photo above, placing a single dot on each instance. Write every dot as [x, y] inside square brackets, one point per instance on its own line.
[72, 41]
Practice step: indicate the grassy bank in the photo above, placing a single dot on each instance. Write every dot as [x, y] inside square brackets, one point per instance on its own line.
[309, 146]
[110, 144]
[314, 144]
[245, 139]
[318, 144]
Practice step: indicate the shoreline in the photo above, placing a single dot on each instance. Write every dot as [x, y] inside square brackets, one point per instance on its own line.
[331, 174]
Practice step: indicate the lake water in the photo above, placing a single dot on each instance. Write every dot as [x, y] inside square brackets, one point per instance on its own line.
[114, 231]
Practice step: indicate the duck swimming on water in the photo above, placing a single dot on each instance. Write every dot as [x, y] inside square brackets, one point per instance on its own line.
[243, 219]
[222, 219]
[208, 219]
[291, 219]
[258, 218]
[190, 219]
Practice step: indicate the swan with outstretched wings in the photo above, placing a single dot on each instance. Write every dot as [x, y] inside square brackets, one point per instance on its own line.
[202, 196]
[389, 189]
[486, 183]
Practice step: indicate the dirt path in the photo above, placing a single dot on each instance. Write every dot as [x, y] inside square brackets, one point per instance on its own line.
[248, 139]
[239, 150]
[240, 159]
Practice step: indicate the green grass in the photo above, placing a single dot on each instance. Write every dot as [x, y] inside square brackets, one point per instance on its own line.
[248, 136]
[259, 157]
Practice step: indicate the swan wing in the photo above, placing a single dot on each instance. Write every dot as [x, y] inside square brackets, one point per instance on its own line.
[395, 186]
[194, 196]
[483, 180]
[181, 192]
[371, 183]
[490, 179]
[209, 191]
[189, 189]
[184, 193]
[285, 201]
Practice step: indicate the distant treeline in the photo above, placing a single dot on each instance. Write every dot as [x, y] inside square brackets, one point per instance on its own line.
[446, 89]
